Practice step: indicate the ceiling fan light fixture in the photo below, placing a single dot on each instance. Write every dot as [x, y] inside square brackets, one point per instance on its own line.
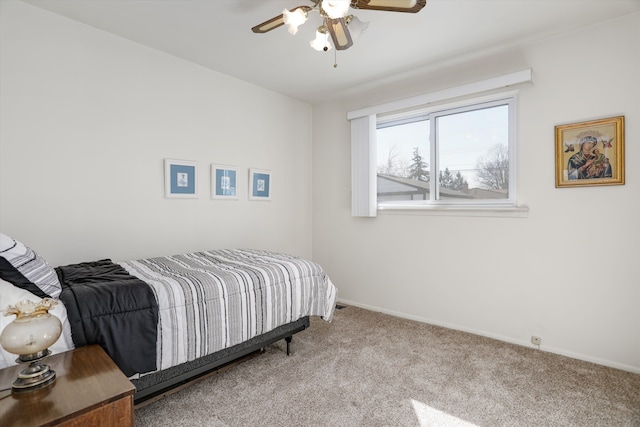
[336, 9]
[293, 19]
[321, 42]
[338, 24]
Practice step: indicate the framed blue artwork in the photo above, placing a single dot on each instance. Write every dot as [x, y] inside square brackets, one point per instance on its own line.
[224, 182]
[259, 184]
[180, 179]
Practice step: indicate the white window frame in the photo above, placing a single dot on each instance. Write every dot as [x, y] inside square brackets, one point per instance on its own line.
[363, 123]
[432, 114]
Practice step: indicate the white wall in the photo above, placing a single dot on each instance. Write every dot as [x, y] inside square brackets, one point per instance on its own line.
[86, 121]
[568, 272]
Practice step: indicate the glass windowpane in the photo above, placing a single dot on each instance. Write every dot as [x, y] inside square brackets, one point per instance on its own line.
[473, 154]
[403, 161]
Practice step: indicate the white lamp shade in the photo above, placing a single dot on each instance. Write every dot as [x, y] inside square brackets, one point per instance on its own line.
[294, 19]
[357, 27]
[321, 42]
[336, 8]
[31, 335]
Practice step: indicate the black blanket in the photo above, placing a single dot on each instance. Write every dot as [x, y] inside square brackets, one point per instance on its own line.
[108, 306]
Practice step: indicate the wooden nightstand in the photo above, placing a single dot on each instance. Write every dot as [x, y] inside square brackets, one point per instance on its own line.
[89, 390]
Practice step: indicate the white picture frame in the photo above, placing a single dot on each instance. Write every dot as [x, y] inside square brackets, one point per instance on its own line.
[180, 179]
[224, 182]
[260, 185]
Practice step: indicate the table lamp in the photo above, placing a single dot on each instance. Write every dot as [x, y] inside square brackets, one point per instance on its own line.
[29, 336]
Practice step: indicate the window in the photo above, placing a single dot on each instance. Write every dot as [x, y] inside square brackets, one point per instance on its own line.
[465, 145]
[447, 156]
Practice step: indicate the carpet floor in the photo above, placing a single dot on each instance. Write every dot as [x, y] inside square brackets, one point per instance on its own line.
[372, 369]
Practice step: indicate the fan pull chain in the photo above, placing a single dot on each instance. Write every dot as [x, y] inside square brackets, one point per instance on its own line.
[335, 58]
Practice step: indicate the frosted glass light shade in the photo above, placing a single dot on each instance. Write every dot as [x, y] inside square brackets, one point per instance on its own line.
[33, 331]
[321, 42]
[336, 8]
[294, 19]
[357, 27]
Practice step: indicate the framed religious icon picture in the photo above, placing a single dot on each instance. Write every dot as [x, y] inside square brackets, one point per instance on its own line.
[590, 153]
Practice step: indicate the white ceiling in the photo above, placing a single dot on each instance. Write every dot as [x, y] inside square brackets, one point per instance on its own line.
[217, 34]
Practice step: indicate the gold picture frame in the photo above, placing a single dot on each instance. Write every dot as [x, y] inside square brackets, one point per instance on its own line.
[590, 153]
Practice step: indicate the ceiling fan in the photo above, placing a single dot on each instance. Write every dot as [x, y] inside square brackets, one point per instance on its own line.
[337, 21]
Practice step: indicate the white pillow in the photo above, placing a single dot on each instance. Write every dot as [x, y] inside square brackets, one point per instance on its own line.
[31, 265]
[10, 295]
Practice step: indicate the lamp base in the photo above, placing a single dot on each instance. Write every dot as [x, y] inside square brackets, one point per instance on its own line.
[42, 377]
[34, 376]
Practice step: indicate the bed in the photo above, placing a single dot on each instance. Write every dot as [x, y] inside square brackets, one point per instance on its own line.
[168, 320]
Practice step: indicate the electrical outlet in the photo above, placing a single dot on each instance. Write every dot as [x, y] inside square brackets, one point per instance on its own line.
[536, 340]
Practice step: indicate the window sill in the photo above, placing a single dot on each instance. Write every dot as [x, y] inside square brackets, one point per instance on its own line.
[468, 211]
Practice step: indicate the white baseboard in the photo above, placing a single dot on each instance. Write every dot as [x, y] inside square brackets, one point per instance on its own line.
[561, 352]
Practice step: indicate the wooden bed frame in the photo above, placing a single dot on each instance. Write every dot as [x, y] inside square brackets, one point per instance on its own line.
[156, 385]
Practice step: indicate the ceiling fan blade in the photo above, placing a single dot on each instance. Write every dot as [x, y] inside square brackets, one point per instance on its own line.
[411, 6]
[339, 33]
[276, 21]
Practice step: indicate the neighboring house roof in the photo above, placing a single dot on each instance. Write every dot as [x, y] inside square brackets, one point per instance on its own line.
[395, 186]
[480, 193]
[392, 186]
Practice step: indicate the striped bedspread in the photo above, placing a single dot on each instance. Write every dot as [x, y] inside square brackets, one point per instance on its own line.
[212, 300]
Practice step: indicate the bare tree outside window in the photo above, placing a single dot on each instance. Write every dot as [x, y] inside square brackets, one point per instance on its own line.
[394, 164]
[493, 169]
